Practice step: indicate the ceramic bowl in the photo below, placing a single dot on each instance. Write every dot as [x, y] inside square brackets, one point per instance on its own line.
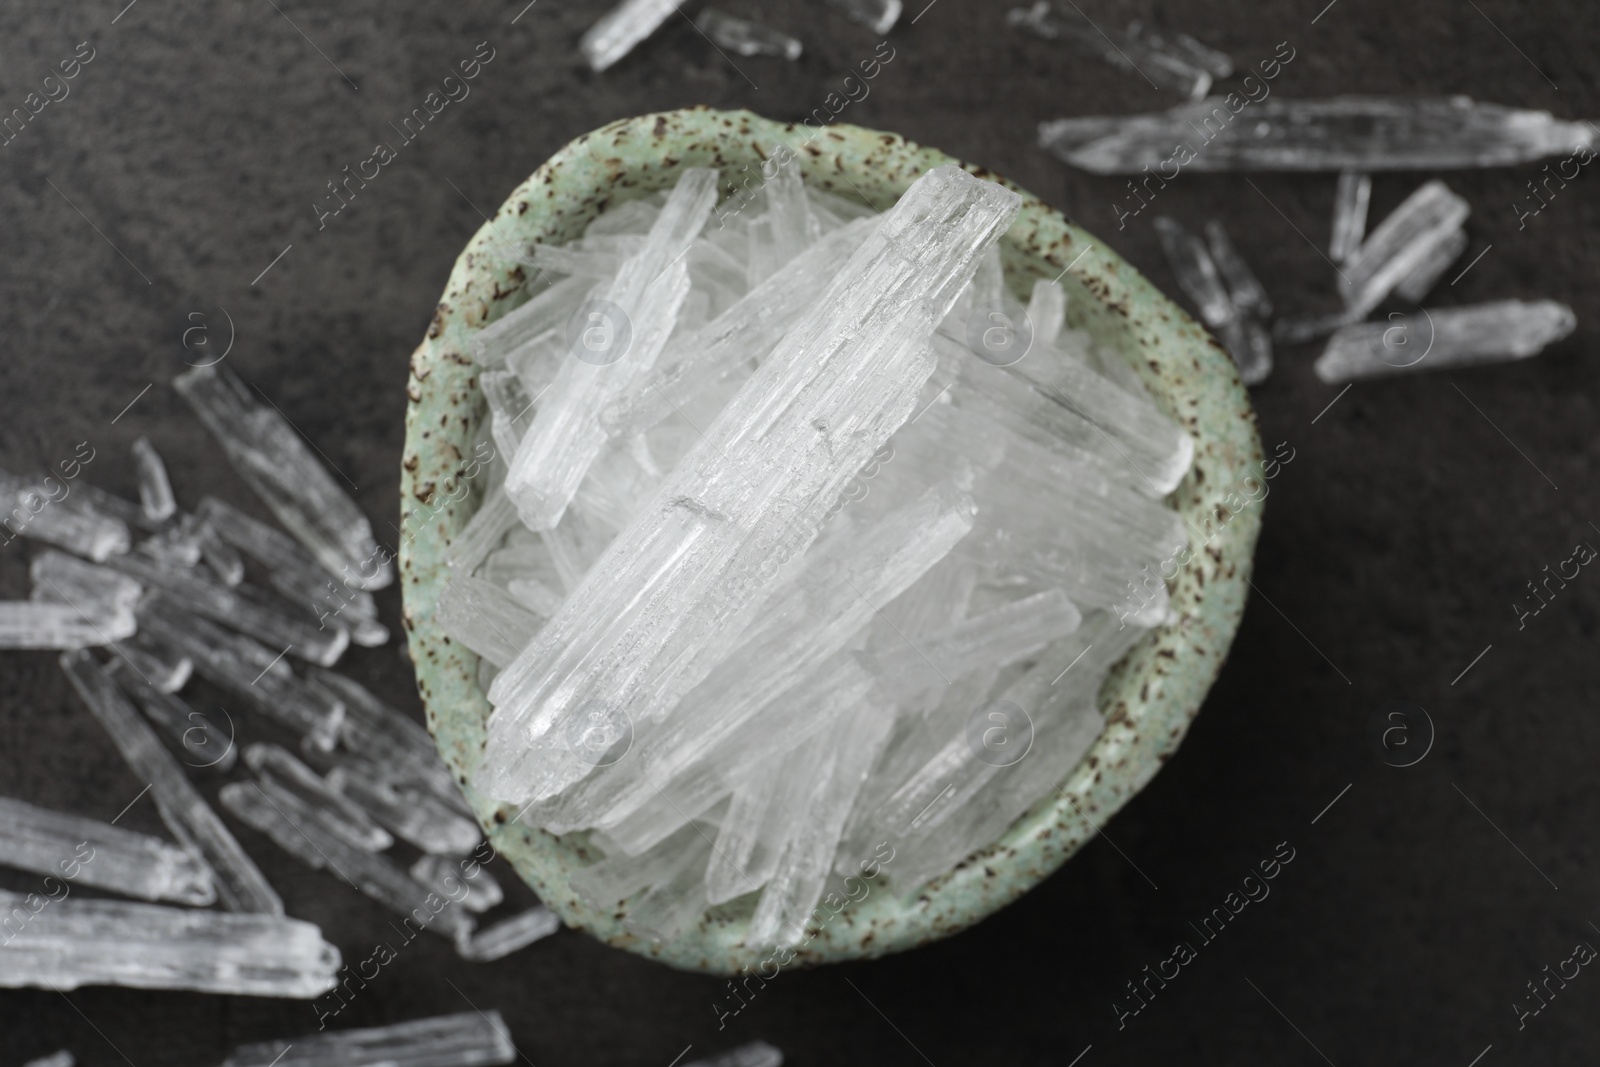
[1148, 700]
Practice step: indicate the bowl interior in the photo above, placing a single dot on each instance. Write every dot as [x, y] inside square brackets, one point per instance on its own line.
[1148, 700]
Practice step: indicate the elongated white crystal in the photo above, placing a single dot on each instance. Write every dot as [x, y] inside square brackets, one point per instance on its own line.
[55, 1059]
[157, 663]
[247, 669]
[74, 943]
[621, 28]
[615, 344]
[1420, 282]
[280, 773]
[829, 395]
[376, 876]
[446, 875]
[507, 936]
[62, 579]
[465, 1039]
[207, 740]
[745, 38]
[877, 15]
[69, 522]
[275, 461]
[1437, 338]
[394, 746]
[1359, 133]
[1244, 288]
[545, 313]
[753, 1054]
[99, 854]
[1350, 202]
[1402, 244]
[1141, 52]
[410, 814]
[1197, 273]
[32, 624]
[155, 489]
[239, 883]
[244, 608]
[486, 619]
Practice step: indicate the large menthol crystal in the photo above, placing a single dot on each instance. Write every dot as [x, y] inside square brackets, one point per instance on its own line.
[758, 485]
[207, 739]
[620, 333]
[621, 28]
[413, 815]
[1360, 133]
[70, 943]
[392, 747]
[1437, 338]
[239, 883]
[465, 1039]
[507, 936]
[91, 852]
[297, 788]
[276, 462]
[1350, 202]
[1407, 241]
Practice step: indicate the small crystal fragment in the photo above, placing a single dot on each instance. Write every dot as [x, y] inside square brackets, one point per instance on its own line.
[466, 1039]
[1420, 282]
[1180, 68]
[1197, 273]
[446, 875]
[509, 935]
[1250, 343]
[753, 1054]
[621, 28]
[1435, 338]
[157, 663]
[1350, 202]
[55, 1059]
[280, 775]
[1245, 289]
[100, 854]
[745, 38]
[75, 943]
[223, 559]
[155, 489]
[1182, 46]
[1359, 133]
[1405, 242]
[877, 15]
[384, 739]
[239, 883]
[410, 814]
[275, 461]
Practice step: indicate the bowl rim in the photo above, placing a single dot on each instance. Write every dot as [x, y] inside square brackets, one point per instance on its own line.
[1148, 700]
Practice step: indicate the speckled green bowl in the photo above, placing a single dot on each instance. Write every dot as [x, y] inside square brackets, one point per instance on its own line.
[1148, 700]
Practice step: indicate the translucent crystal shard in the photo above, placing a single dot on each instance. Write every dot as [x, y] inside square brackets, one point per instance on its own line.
[507, 936]
[155, 490]
[244, 608]
[287, 781]
[290, 825]
[619, 29]
[1402, 244]
[486, 619]
[69, 522]
[246, 669]
[55, 1059]
[1184, 47]
[1420, 282]
[240, 885]
[75, 943]
[94, 853]
[446, 875]
[618, 340]
[62, 579]
[745, 38]
[1350, 202]
[275, 461]
[207, 741]
[1197, 272]
[157, 663]
[466, 1039]
[1250, 344]
[877, 15]
[753, 1054]
[1244, 288]
[545, 314]
[1360, 133]
[31, 624]
[397, 748]
[1436, 338]
[757, 485]
[410, 814]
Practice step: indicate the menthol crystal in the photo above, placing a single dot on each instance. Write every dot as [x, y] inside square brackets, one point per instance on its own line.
[465, 1039]
[1438, 338]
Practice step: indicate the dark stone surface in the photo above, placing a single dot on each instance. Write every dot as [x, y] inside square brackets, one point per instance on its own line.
[196, 141]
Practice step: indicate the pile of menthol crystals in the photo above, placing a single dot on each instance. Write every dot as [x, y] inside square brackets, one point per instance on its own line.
[802, 537]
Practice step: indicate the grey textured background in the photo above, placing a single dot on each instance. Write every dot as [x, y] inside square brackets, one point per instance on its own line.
[1414, 511]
